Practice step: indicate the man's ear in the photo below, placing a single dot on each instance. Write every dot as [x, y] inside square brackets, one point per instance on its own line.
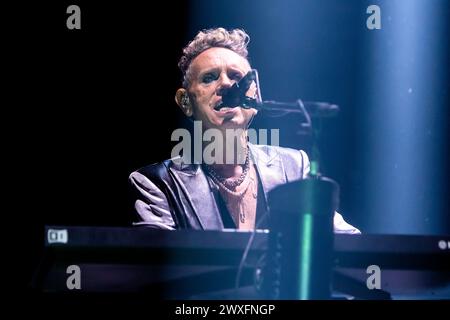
[183, 101]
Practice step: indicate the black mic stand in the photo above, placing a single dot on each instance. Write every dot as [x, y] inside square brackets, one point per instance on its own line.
[301, 226]
[299, 264]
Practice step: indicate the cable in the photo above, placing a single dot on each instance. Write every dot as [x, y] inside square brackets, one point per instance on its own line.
[246, 251]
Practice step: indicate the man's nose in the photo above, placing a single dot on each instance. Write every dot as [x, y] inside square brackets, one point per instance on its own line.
[225, 83]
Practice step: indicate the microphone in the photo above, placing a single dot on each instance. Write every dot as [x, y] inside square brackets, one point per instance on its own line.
[236, 97]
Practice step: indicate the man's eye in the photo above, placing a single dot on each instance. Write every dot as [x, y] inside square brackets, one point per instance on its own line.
[236, 76]
[207, 78]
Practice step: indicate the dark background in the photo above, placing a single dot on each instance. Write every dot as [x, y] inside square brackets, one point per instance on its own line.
[97, 103]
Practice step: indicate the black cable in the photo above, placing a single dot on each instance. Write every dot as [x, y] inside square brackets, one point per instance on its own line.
[246, 251]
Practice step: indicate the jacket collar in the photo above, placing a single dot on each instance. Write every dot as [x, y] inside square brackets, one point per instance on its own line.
[195, 185]
[269, 166]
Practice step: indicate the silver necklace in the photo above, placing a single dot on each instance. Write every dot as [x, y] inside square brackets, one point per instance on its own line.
[230, 185]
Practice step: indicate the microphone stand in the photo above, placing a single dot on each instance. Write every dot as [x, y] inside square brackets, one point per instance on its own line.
[307, 108]
[317, 110]
[301, 233]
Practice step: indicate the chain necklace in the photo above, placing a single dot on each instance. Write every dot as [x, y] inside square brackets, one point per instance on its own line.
[239, 196]
[230, 185]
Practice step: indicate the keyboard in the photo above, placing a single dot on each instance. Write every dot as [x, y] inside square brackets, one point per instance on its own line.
[147, 260]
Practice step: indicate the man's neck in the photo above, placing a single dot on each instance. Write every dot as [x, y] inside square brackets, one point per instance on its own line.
[234, 155]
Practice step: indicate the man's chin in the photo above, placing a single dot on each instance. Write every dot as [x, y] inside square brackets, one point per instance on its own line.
[234, 123]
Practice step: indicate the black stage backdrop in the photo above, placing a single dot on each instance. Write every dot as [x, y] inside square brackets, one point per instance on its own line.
[94, 104]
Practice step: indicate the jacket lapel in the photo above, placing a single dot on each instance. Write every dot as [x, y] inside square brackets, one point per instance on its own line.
[269, 167]
[194, 184]
[199, 194]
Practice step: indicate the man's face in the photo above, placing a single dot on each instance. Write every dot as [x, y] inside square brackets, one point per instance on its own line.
[211, 73]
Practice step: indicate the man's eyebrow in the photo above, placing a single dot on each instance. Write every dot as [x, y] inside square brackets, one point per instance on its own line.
[215, 69]
[237, 67]
[209, 70]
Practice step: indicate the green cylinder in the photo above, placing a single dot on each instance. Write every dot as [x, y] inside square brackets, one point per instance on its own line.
[301, 239]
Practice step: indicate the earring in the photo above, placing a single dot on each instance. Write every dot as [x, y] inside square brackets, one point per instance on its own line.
[185, 101]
